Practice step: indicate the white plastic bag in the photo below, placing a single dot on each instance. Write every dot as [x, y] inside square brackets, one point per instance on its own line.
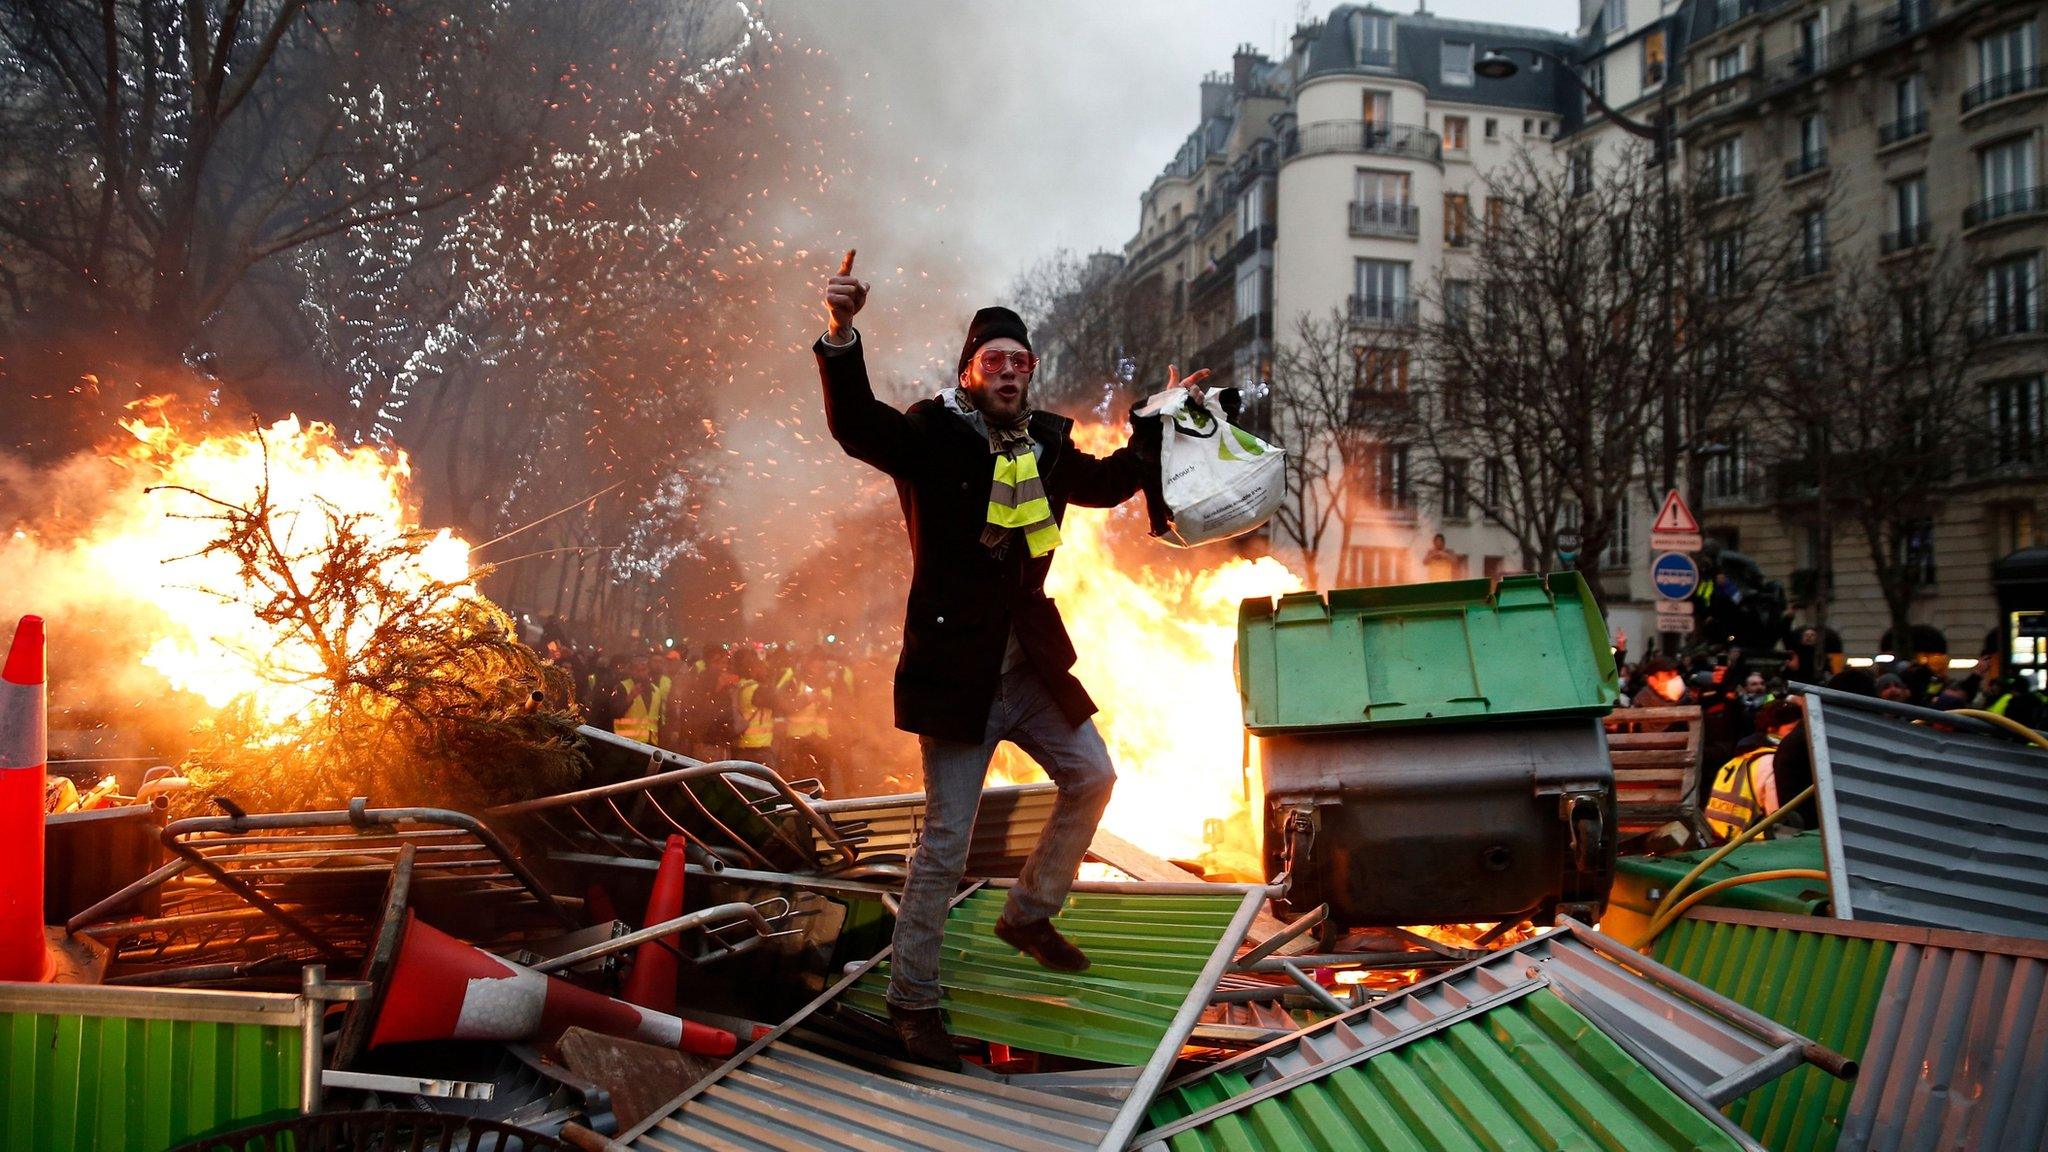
[1219, 480]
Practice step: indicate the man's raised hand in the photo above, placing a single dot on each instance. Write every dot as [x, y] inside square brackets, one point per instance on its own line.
[1193, 383]
[844, 296]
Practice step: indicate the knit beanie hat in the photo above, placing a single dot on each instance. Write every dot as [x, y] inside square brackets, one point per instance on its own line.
[990, 324]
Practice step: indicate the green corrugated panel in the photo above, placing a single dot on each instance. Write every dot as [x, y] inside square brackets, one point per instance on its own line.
[1531, 1074]
[1459, 650]
[86, 1083]
[1145, 953]
[1638, 877]
[1822, 986]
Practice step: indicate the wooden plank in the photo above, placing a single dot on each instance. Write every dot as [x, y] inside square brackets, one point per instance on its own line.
[1687, 713]
[1674, 740]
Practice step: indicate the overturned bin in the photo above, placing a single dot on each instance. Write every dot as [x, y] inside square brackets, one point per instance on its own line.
[1433, 753]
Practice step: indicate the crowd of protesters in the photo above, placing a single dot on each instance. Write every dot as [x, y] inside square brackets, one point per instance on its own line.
[804, 710]
[1752, 715]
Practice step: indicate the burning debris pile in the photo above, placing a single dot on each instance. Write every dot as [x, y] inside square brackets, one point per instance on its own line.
[322, 643]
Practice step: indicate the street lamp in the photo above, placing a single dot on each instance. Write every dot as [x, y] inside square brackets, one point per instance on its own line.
[1496, 64]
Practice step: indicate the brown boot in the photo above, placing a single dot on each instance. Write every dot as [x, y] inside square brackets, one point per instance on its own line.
[1043, 943]
[924, 1036]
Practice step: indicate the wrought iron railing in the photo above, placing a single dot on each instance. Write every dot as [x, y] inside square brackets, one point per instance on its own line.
[1902, 128]
[2028, 79]
[1806, 163]
[1372, 136]
[2018, 201]
[1383, 311]
[1905, 236]
[1384, 218]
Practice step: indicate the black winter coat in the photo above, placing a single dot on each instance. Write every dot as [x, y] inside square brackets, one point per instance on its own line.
[963, 599]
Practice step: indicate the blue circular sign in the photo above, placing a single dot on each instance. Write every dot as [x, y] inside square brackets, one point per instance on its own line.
[1675, 575]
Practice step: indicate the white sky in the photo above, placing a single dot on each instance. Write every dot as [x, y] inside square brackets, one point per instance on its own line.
[1045, 119]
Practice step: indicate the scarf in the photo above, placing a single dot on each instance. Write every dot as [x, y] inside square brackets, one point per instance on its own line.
[1016, 495]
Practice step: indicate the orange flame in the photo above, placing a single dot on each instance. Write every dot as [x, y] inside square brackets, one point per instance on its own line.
[1156, 647]
[206, 640]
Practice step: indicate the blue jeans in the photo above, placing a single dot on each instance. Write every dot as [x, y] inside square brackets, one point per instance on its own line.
[1026, 715]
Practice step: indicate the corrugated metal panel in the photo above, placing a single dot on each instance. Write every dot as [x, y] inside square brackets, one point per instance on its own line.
[1006, 827]
[1951, 1027]
[1825, 986]
[1958, 1057]
[1941, 829]
[817, 1088]
[826, 1079]
[1530, 1073]
[1146, 952]
[99, 1069]
[1689, 1044]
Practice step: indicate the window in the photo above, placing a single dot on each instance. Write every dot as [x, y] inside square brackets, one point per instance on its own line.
[1813, 241]
[2016, 428]
[1454, 133]
[1726, 66]
[1909, 97]
[1390, 477]
[1375, 39]
[1457, 504]
[1457, 304]
[1457, 218]
[1378, 372]
[1376, 107]
[1251, 210]
[2012, 295]
[1615, 18]
[1251, 285]
[1815, 328]
[1382, 290]
[2005, 172]
[1528, 125]
[1728, 468]
[1596, 83]
[2013, 527]
[1913, 551]
[1812, 37]
[1617, 552]
[1364, 567]
[1724, 264]
[1813, 141]
[1581, 161]
[1492, 128]
[1653, 58]
[1457, 62]
[1723, 167]
[1494, 482]
[1378, 186]
[2005, 59]
[1909, 214]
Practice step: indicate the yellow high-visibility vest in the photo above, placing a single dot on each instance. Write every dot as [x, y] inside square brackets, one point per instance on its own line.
[642, 719]
[760, 722]
[1734, 802]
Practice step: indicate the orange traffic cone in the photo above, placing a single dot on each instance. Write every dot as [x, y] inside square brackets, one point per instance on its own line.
[23, 768]
[443, 989]
[652, 983]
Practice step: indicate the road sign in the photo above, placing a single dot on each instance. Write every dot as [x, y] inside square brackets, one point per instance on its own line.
[1675, 529]
[1675, 576]
[1674, 616]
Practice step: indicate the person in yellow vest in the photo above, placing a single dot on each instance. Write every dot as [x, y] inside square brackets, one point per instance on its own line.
[1745, 790]
[754, 705]
[811, 701]
[639, 716]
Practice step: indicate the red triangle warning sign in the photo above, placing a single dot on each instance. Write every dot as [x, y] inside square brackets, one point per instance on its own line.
[1675, 516]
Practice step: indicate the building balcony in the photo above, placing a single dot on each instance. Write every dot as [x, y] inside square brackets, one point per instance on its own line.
[1373, 137]
[1810, 263]
[2018, 202]
[2017, 82]
[1385, 218]
[1382, 311]
[1897, 131]
[1716, 187]
[1905, 238]
[1805, 164]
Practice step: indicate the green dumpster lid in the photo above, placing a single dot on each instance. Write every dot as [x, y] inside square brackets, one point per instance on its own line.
[1795, 897]
[1449, 652]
